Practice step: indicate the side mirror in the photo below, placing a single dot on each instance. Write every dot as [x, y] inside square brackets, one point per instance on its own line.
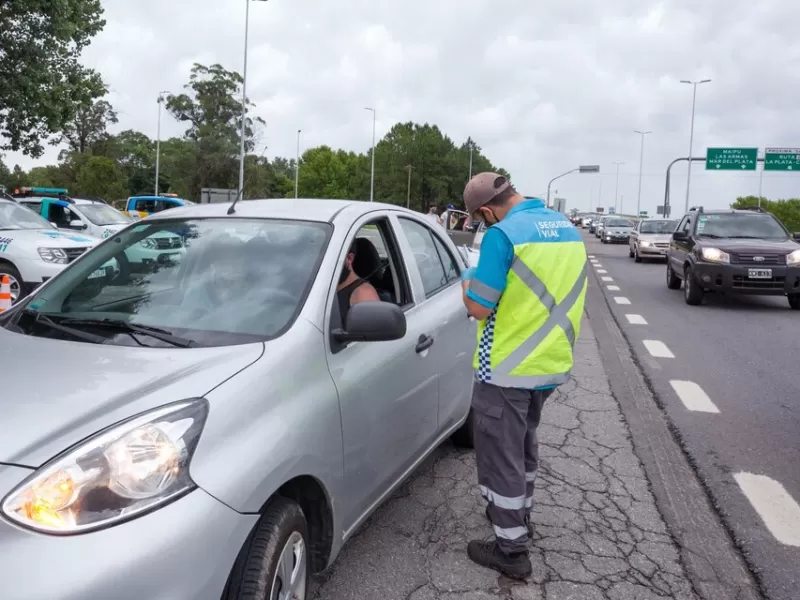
[680, 235]
[76, 224]
[372, 322]
[796, 236]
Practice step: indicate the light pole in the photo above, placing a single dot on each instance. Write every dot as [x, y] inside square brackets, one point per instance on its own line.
[160, 102]
[760, 179]
[244, 98]
[616, 186]
[372, 170]
[641, 164]
[581, 169]
[470, 159]
[408, 192]
[297, 166]
[694, 85]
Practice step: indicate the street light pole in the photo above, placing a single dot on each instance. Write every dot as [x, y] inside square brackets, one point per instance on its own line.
[372, 170]
[641, 164]
[408, 193]
[616, 186]
[694, 85]
[470, 159]
[244, 99]
[581, 169]
[297, 166]
[160, 101]
[760, 180]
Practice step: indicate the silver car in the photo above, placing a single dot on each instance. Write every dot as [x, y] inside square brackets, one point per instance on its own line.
[234, 429]
[616, 230]
[650, 238]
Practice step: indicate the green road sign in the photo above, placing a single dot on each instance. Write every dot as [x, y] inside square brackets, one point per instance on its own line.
[782, 159]
[731, 159]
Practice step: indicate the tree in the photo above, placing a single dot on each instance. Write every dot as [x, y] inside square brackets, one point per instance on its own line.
[42, 85]
[787, 211]
[99, 176]
[89, 126]
[325, 173]
[18, 178]
[5, 174]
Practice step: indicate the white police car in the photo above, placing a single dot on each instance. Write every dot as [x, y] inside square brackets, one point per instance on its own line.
[32, 250]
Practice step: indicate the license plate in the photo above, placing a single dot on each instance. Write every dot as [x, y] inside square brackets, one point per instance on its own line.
[97, 274]
[759, 273]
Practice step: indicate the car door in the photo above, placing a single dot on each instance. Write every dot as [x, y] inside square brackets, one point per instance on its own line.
[679, 249]
[440, 304]
[388, 391]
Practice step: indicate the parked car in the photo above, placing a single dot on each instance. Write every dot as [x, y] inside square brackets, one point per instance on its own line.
[218, 428]
[650, 238]
[745, 251]
[616, 230]
[139, 207]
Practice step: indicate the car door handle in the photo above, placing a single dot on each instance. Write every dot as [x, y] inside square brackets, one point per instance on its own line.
[423, 343]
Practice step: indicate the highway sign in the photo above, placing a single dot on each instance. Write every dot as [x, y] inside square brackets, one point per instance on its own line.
[660, 210]
[782, 159]
[589, 168]
[600, 209]
[642, 213]
[731, 159]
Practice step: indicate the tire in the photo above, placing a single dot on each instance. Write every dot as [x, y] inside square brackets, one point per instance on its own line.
[692, 292]
[257, 572]
[794, 301]
[603, 240]
[673, 281]
[18, 287]
[464, 436]
[636, 257]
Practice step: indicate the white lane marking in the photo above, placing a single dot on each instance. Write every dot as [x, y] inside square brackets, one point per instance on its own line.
[693, 396]
[598, 265]
[621, 300]
[776, 507]
[613, 288]
[602, 271]
[607, 278]
[590, 255]
[658, 349]
[636, 319]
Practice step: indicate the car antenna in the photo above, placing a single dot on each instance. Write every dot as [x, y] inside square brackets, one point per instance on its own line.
[232, 208]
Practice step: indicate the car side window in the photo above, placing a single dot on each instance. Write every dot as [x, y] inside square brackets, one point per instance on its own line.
[683, 223]
[687, 227]
[438, 270]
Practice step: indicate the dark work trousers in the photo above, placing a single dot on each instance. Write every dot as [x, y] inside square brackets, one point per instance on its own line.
[507, 456]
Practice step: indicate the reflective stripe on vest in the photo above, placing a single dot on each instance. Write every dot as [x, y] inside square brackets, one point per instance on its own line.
[558, 317]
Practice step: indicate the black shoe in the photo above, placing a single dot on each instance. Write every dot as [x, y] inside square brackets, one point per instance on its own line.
[488, 554]
[528, 523]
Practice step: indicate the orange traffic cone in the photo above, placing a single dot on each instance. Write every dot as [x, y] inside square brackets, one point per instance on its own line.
[5, 294]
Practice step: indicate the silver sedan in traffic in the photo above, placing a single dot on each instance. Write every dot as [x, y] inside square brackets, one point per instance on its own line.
[219, 426]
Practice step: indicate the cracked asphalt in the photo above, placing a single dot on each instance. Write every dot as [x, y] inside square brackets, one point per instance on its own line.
[598, 532]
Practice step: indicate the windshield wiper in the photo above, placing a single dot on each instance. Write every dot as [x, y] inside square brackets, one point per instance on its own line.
[745, 237]
[710, 235]
[83, 335]
[153, 332]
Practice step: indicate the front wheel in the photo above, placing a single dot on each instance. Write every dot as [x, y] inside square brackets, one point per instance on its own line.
[273, 565]
[15, 279]
[692, 292]
[673, 281]
[794, 301]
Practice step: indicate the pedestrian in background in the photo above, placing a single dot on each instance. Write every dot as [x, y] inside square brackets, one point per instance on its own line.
[527, 293]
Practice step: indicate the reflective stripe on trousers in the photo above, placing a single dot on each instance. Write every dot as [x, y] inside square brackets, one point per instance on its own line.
[507, 457]
[501, 373]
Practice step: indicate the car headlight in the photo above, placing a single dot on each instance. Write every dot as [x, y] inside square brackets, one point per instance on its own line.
[53, 255]
[114, 475]
[148, 243]
[715, 255]
[645, 244]
[793, 258]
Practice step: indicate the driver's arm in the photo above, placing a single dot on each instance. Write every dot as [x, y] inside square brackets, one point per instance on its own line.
[483, 288]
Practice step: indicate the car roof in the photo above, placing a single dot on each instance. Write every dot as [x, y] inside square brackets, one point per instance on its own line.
[307, 209]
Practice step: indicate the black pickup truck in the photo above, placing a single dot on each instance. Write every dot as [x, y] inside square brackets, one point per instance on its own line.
[744, 251]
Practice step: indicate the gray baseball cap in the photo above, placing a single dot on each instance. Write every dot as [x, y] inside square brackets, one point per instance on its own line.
[483, 188]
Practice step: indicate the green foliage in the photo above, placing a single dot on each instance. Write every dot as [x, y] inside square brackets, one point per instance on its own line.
[99, 176]
[788, 210]
[88, 127]
[42, 84]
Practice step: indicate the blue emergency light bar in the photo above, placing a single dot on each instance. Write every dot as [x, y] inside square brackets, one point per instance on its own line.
[46, 190]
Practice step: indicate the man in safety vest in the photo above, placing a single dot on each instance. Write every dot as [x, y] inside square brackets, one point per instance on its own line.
[527, 293]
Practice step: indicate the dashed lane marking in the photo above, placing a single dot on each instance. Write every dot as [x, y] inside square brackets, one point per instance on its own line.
[606, 278]
[613, 288]
[590, 255]
[693, 396]
[602, 271]
[658, 349]
[776, 507]
[621, 300]
[636, 319]
[597, 265]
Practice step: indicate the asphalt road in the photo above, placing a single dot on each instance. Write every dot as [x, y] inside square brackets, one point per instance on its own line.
[726, 373]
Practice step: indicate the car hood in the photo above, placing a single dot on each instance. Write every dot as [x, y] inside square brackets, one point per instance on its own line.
[752, 246]
[617, 229]
[56, 393]
[50, 238]
[656, 238]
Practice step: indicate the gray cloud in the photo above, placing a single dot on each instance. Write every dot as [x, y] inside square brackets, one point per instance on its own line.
[541, 86]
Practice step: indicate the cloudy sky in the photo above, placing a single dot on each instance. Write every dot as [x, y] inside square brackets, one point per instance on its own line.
[542, 86]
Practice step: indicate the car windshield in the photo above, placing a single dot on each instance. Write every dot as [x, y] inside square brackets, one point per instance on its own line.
[738, 225]
[16, 216]
[224, 282]
[103, 214]
[618, 223]
[658, 226]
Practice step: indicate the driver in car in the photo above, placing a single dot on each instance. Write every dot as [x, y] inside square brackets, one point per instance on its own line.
[352, 289]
